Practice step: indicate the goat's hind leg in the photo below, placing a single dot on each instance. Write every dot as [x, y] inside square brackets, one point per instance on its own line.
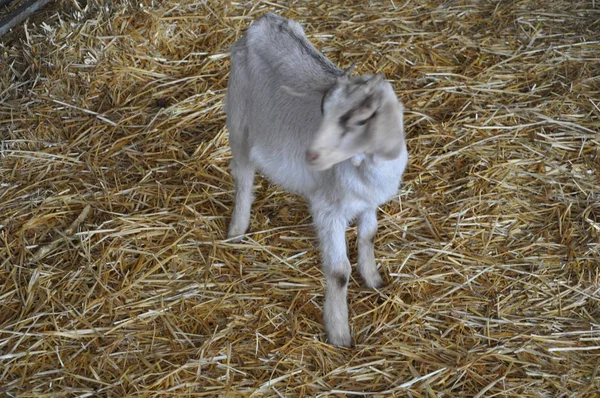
[242, 171]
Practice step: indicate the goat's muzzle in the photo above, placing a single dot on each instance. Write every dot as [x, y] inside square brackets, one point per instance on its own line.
[311, 156]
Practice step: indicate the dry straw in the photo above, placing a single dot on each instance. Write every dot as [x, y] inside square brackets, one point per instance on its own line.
[115, 194]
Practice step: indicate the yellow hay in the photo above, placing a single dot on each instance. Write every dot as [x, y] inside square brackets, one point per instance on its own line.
[116, 280]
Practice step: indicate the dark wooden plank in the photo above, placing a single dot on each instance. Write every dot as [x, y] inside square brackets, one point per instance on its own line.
[20, 14]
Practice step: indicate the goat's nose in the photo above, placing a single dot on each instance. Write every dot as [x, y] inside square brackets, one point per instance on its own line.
[311, 156]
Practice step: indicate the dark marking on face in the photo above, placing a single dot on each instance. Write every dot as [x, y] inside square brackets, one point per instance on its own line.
[348, 115]
[345, 117]
[367, 102]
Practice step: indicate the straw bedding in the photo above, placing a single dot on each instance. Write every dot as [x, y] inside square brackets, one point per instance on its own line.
[116, 280]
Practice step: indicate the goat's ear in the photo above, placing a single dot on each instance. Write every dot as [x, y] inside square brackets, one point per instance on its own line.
[375, 81]
[388, 130]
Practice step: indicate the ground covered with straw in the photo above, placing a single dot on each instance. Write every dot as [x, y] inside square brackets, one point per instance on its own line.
[115, 195]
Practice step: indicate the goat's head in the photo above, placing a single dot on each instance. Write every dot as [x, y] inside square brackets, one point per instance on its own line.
[361, 115]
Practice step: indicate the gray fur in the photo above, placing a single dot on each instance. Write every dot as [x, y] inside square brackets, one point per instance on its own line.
[346, 159]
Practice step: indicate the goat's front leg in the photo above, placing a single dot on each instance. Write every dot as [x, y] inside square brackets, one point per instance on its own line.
[367, 267]
[336, 267]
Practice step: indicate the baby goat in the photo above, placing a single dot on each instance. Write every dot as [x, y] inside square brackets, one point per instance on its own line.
[336, 140]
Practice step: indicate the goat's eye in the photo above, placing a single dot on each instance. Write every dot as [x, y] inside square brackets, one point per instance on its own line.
[364, 121]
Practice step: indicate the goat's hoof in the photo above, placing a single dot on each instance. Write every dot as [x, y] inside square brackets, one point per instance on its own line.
[235, 238]
[374, 281]
[340, 339]
[236, 235]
